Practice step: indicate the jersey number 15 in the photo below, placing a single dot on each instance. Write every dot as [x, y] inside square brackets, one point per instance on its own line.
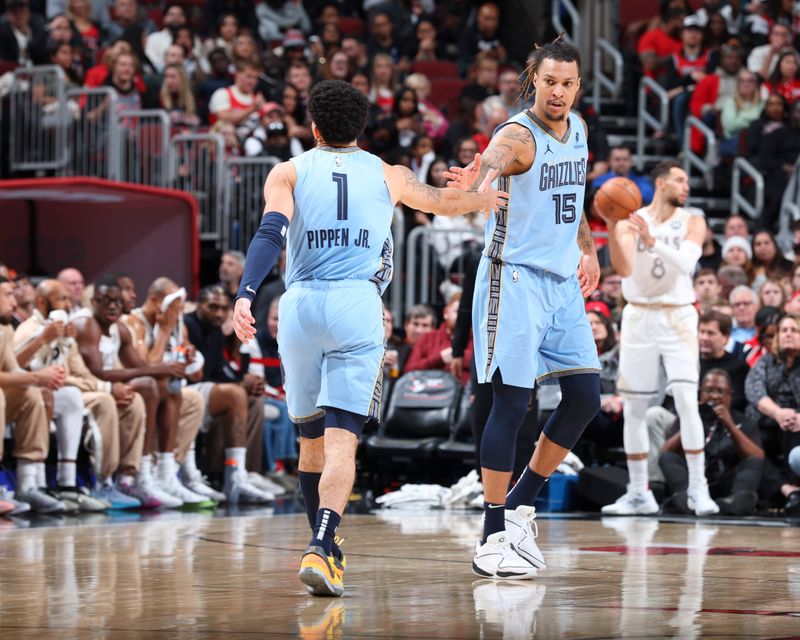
[565, 207]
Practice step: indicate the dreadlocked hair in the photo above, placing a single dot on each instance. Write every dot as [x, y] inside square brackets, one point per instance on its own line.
[559, 49]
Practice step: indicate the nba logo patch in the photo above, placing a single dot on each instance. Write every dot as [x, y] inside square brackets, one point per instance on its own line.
[338, 161]
[515, 276]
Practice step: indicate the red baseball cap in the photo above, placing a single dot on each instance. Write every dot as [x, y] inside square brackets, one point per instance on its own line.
[600, 307]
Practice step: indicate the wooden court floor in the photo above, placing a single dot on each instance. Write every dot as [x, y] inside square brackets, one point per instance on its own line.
[194, 576]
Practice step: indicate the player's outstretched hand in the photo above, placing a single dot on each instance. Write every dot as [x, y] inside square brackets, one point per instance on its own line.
[243, 321]
[493, 199]
[464, 177]
[588, 274]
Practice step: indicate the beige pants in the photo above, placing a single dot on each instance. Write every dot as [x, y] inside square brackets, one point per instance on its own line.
[126, 454]
[25, 407]
[193, 407]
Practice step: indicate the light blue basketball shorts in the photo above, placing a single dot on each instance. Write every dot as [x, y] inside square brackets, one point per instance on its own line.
[330, 339]
[531, 324]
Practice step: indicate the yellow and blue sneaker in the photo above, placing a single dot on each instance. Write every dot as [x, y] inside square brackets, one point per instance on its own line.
[322, 574]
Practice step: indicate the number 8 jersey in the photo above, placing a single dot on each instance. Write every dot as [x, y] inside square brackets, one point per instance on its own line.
[540, 226]
[341, 229]
[652, 281]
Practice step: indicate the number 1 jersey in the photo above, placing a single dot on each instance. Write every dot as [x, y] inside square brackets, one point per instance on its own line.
[342, 224]
[540, 226]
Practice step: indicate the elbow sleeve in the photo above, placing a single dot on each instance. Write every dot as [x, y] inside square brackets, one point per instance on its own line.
[263, 253]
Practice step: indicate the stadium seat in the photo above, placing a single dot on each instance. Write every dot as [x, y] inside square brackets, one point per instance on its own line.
[436, 69]
[460, 445]
[419, 415]
[446, 90]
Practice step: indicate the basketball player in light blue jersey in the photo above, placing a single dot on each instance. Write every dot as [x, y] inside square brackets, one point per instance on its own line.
[335, 205]
[528, 313]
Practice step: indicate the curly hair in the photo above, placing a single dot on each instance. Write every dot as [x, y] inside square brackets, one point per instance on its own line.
[339, 110]
[560, 50]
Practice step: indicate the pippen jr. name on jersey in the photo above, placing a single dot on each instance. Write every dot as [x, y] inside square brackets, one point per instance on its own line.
[562, 174]
[336, 237]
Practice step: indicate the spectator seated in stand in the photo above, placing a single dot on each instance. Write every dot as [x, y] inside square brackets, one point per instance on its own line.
[177, 99]
[744, 302]
[763, 59]
[707, 289]
[767, 320]
[785, 78]
[433, 349]
[620, 161]
[482, 36]
[733, 455]
[127, 14]
[239, 104]
[739, 111]
[19, 29]
[713, 333]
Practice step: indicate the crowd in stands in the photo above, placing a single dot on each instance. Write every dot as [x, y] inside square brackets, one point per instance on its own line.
[181, 397]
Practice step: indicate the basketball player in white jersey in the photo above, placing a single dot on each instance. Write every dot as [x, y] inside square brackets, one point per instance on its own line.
[656, 252]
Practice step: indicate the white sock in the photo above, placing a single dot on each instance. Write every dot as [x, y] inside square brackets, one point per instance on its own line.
[41, 475]
[637, 470]
[238, 455]
[696, 463]
[166, 465]
[189, 464]
[145, 468]
[26, 475]
[66, 474]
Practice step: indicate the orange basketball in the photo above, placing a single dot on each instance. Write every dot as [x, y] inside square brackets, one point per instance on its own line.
[618, 198]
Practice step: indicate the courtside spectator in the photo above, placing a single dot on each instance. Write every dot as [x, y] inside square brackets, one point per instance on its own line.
[767, 320]
[733, 453]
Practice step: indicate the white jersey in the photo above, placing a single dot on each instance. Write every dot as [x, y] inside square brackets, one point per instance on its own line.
[652, 280]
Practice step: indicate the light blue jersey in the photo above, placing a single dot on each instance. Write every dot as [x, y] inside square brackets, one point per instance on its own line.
[341, 229]
[540, 226]
[528, 313]
[339, 261]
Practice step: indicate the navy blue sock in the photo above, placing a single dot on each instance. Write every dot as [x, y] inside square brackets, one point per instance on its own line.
[309, 485]
[494, 519]
[525, 491]
[325, 528]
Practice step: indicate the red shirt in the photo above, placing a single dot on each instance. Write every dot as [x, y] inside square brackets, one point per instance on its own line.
[684, 66]
[789, 90]
[426, 354]
[660, 43]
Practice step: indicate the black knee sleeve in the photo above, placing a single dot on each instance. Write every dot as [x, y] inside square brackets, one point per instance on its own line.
[509, 407]
[580, 402]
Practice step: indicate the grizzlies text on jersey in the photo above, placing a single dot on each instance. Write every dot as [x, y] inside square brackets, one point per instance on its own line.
[528, 314]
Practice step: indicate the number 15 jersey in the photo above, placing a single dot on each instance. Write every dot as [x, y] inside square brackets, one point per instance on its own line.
[540, 226]
[341, 229]
[652, 280]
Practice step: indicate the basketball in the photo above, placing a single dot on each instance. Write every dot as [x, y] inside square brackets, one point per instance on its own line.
[618, 198]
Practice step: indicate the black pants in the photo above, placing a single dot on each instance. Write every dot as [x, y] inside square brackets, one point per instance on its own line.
[745, 476]
[526, 438]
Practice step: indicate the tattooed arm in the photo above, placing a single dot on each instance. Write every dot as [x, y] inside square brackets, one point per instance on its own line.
[404, 187]
[510, 152]
[589, 266]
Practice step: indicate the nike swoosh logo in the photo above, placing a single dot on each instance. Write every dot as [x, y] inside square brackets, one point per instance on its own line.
[248, 288]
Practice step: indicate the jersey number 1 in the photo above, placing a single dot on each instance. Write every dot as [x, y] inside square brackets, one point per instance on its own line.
[565, 207]
[341, 191]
